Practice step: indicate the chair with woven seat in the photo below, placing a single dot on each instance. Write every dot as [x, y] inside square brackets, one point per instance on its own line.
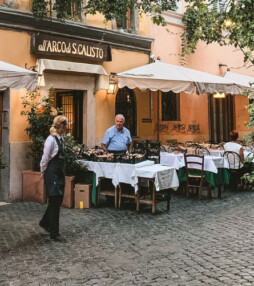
[106, 188]
[202, 151]
[153, 150]
[163, 148]
[150, 196]
[195, 177]
[235, 165]
[125, 191]
[139, 147]
[176, 149]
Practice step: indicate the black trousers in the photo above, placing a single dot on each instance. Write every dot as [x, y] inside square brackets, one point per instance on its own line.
[50, 218]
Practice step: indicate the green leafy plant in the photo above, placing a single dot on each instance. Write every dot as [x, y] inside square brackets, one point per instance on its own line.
[3, 164]
[39, 9]
[71, 154]
[225, 22]
[42, 8]
[111, 10]
[40, 114]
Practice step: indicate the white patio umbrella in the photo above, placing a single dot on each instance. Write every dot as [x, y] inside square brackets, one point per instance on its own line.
[240, 79]
[12, 76]
[165, 77]
[160, 76]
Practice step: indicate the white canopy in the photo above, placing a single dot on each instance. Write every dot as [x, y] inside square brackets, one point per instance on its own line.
[240, 79]
[46, 65]
[12, 76]
[165, 77]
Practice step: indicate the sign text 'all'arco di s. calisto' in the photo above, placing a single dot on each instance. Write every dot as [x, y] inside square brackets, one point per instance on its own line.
[48, 45]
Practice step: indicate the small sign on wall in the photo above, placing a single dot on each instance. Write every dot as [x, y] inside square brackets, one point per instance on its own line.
[5, 119]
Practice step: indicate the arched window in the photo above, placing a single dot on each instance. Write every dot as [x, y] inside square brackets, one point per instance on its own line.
[126, 105]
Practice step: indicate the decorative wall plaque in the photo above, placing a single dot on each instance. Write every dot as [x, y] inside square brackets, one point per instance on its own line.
[42, 44]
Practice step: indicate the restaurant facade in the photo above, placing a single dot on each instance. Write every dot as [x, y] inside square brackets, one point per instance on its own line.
[80, 59]
[202, 117]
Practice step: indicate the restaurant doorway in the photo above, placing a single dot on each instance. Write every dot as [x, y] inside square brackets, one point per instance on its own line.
[1, 111]
[221, 118]
[71, 103]
[1, 129]
[126, 105]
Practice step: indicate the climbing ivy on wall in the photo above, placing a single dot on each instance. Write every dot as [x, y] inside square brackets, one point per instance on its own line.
[227, 22]
[111, 9]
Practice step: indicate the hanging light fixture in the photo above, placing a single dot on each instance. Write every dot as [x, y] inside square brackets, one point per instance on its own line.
[219, 95]
[112, 84]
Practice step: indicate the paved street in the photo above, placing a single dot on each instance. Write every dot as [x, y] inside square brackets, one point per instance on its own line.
[197, 243]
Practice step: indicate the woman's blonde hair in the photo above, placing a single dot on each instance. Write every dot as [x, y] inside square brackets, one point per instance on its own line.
[57, 123]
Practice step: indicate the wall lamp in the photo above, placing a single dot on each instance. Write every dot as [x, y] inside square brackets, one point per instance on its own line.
[112, 84]
[219, 95]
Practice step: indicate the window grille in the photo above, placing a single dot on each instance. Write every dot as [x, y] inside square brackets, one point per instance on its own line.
[71, 103]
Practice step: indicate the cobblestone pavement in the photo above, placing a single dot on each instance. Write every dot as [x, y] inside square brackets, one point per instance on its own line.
[197, 243]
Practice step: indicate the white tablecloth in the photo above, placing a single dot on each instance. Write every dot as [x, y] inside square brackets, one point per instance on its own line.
[123, 172]
[211, 163]
[118, 172]
[101, 169]
[172, 160]
[216, 152]
[165, 177]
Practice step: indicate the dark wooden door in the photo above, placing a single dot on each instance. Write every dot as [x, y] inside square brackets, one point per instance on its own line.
[1, 109]
[221, 117]
[71, 103]
[126, 105]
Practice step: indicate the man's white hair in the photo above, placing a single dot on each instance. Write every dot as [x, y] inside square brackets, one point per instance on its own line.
[120, 115]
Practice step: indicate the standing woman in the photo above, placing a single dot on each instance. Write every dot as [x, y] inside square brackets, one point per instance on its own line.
[52, 169]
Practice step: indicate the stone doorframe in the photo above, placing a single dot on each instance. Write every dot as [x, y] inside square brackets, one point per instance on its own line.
[5, 174]
[77, 82]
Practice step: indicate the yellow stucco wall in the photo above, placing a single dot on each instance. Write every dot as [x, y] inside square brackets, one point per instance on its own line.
[105, 103]
[15, 49]
[25, 5]
[98, 20]
[167, 46]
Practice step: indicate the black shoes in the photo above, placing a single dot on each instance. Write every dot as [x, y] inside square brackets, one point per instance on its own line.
[44, 227]
[59, 238]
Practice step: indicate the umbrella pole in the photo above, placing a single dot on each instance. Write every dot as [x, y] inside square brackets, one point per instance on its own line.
[158, 115]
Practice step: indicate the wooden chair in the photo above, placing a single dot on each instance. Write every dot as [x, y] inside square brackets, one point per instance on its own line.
[202, 151]
[153, 150]
[163, 148]
[139, 147]
[234, 162]
[125, 191]
[106, 188]
[191, 144]
[195, 177]
[217, 146]
[176, 149]
[148, 196]
[178, 144]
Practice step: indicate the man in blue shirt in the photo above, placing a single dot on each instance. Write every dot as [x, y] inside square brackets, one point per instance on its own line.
[117, 139]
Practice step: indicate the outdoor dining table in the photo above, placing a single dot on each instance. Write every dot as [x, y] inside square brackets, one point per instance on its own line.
[218, 152]
[215, 168]
[165, 177]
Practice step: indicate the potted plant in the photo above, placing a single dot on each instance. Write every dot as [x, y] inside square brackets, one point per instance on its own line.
[73, 169]
[40, 114]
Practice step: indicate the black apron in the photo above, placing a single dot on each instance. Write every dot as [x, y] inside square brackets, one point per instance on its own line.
[54, 176]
